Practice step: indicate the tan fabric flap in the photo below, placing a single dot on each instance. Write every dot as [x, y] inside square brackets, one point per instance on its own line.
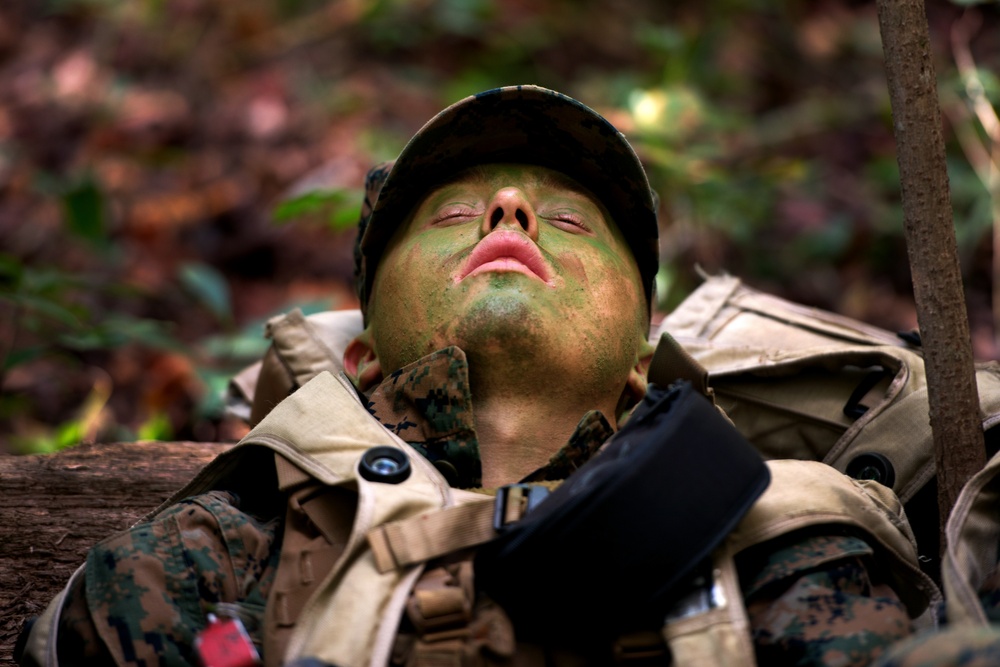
[697, 313]
[309, 346]
[724, 310]
[973, 536]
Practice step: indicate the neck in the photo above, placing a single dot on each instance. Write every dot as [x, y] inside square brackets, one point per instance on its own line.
[520, 428]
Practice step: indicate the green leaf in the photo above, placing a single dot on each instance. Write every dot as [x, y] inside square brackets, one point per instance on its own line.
[340, 209]
[245, 345]
[148, 332]
[209, 287]
[23, 356]
[69, 316]
[157, 427]
[83, 206]
[117, 330]
[11, 272]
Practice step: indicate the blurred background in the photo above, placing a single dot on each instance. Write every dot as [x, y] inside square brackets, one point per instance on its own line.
[174, 172]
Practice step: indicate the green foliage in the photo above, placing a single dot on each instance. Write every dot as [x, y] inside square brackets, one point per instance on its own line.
[81, 427]
[338, 209]
[209, 288]
[83, 204]
[157, 427]
[765, 127]
[47, 303]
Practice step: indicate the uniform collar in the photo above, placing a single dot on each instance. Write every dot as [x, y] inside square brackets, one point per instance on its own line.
[428, 404]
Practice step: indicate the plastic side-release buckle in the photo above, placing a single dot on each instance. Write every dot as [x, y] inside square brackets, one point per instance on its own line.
[225, 643]
[703, 593]
[513, 501]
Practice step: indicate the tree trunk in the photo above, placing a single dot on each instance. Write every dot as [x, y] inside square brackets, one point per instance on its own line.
[930, 240]
[54, 508]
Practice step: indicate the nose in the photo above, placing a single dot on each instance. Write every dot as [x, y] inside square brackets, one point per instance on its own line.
[509, 208]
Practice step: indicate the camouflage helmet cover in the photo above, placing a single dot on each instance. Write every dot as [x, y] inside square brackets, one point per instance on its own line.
[517, 124]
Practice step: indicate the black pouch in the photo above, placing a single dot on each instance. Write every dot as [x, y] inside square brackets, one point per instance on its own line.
[615, 545]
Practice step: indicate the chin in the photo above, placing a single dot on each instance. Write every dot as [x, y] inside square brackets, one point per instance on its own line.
[500, 322]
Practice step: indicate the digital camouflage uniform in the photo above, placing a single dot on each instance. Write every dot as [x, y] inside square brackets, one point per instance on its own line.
[813, 598]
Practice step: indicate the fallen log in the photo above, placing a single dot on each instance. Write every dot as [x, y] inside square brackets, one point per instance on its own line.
[53, 508]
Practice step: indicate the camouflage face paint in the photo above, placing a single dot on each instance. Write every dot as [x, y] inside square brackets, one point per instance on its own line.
[560, 284]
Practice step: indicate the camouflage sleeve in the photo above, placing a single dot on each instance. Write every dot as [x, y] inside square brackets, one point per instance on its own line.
[79, 643]
[147, 591]
[813, 600]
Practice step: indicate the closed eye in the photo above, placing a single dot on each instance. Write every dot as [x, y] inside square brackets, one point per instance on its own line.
[454, 214]
[569, 220]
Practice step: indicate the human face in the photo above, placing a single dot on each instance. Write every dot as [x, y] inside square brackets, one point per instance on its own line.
[511, 259]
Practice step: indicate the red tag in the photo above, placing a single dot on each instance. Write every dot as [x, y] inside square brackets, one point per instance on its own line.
[225, 643]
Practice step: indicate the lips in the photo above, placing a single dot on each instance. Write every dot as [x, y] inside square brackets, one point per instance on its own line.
[506, 252]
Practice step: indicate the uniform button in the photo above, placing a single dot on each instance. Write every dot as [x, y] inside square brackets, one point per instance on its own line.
[872, 466]
[384, 464]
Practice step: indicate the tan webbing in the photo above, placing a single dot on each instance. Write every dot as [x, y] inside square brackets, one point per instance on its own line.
[311, 545]
[468, 523]
[422, 538]
[720, 636]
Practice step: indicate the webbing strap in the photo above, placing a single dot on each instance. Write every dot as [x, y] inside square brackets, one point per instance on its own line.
[421, 538]
[718, 636]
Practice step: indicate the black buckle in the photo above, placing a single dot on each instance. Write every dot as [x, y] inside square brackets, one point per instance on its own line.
[527, 497]
[854, 408]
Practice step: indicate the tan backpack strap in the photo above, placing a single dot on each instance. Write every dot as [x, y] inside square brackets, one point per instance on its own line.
[422, 538]
[240, 391]
[43, 638]
[474, 520]
[719, 635]
[302, 348]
